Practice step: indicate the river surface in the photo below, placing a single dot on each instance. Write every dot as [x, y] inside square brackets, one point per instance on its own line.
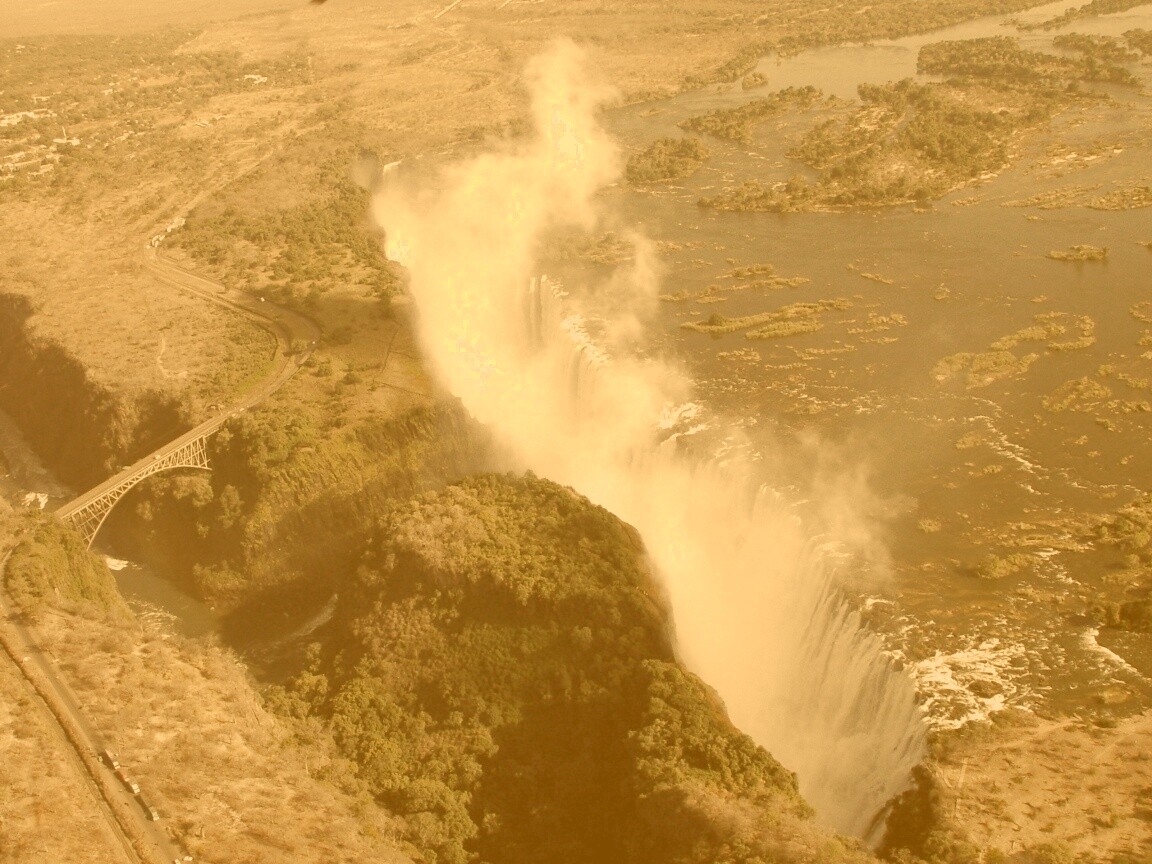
[26, 483]
[953, 473]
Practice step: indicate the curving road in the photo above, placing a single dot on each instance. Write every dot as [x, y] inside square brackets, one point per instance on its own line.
[296, 336]
[143, 840]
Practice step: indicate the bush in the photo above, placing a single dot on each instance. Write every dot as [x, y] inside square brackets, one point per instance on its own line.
[505, 682]
[53, 564]
[667, 159]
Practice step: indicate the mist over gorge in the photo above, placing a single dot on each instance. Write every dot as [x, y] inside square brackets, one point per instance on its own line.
[718, 436]
[754, 597]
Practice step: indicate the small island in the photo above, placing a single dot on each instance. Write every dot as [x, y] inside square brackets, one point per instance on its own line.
[667, 159]
[1082, 252]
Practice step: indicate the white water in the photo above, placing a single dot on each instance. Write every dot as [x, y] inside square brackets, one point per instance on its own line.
[756, 612]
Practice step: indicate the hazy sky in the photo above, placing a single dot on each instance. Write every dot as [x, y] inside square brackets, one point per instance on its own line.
[32, 17]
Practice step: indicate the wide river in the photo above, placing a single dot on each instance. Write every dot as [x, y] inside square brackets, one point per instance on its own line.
[939, 475]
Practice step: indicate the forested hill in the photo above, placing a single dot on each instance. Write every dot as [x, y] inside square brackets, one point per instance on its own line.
[501, 674]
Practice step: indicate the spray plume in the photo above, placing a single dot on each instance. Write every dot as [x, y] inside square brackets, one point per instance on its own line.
[756, 612]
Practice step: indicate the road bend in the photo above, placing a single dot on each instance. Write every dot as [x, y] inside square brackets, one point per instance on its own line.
[296, 336]
[143, 840]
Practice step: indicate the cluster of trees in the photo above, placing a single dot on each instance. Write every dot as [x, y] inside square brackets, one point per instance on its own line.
[1001, 59]
[52, 564]
[913, 142]
[805, 28]
[907, 142]
[788, 320]
[752, 195]
[297, 251]
[1103, 49]
[288, 497]
[500, 673]
[1088, 10]
[666, 159]
[736, 124]
[1141, 40]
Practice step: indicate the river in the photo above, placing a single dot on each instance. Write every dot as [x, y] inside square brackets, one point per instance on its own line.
[859, 400]
[951, 474]
[26, 482]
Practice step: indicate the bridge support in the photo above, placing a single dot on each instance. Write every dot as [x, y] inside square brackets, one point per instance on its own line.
[87, 513]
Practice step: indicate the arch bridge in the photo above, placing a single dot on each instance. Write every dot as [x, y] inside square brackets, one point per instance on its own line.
[88, 512]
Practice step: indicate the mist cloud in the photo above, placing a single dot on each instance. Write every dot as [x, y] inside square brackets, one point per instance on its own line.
[755, 613]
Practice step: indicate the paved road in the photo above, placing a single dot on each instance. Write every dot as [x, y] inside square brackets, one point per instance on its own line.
[141, 840]
[296, 335]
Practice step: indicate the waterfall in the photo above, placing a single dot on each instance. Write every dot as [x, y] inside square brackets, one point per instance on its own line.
[754, 602]
[756, 609]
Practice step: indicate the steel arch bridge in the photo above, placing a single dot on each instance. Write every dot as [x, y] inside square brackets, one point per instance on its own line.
[88, 512]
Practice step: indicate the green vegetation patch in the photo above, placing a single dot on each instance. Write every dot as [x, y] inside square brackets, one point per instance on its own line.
[1132, 198]
[983, 368]
[263, 238]
[291, 493]
[1083, 252]
[910, 142]
[997, 567]
[1141, 40]
[1000, 362]
[52, 564]
[792, 319]
[1000, 58]
[735, 124]
[1084, 394]
[1096, 49]
[667, 159]
[1088, 10]
[1129, 532]
[500, 673]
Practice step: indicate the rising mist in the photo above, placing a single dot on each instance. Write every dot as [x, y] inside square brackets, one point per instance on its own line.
[754, 599]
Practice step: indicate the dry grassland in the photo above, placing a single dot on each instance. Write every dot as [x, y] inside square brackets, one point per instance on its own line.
[38, 17]
[47, 810]
[231, 780]
[398, 78]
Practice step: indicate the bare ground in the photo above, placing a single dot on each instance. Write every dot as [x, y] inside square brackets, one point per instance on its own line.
[1061, 780]
[233, 781]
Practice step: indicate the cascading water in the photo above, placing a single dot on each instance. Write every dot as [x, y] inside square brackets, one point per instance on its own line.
[756, 610]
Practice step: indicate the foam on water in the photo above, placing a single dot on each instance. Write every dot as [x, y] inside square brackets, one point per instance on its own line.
[1088, 640]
